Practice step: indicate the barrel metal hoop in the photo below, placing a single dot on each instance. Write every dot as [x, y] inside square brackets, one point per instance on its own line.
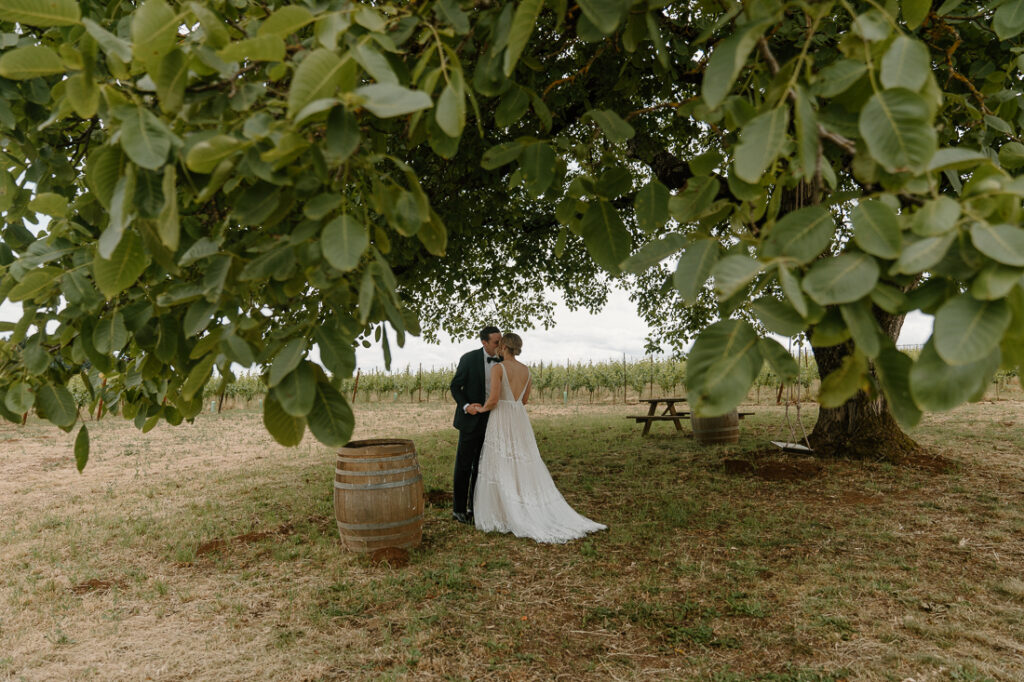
[376, 459]
[379, 526]
[377, 486]
[382, 472]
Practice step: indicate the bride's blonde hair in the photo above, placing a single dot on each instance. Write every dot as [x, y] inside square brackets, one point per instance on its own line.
[512, 343]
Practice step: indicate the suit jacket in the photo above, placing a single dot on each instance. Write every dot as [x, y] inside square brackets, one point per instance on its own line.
[468, 387]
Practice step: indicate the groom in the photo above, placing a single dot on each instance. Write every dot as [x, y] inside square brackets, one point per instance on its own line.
[470, 387]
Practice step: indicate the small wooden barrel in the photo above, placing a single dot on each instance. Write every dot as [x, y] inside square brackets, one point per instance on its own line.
[717, 430]
[378, 495]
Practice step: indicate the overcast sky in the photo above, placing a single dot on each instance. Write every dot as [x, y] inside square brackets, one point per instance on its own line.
[576, 336]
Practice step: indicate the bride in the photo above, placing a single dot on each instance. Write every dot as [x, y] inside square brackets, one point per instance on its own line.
[514, 492]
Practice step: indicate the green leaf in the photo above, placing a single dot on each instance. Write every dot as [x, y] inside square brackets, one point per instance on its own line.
[1011, 155]
[779, 359]
[994, 282]
[331, 419]
[41, 12]
[1008, 20]
[168, 225]
[614, 127]
[806, 134]
[57, 405]
[652, 253]
[761, 142]
[863, 327]
[32, 61]
[296, 390]
[732, 274]
[937, 386]
[1002, 243]
[37, 359]
[265, 48]
[605, 14]
[154, 31]
[205, 156]
[197, 378]
[144, 137]
[322, 205]
[344, 241]
[923, 254]
[538, 165]
[906, 64]
[216, 34]
[519, 33]
[110, 334]
[956, 158]
[727, 61]
[792, 290]
[514, 104]
[844, 382]
[694, 269]
[896, 125]
[605, 235]
[102, 171]
[500, 155]
[198, 317]
[800, 235]
[843, 279]
[286, 360]
[936, 217]
[778, 316]
[722, 366]
[35, 284]
[651, 206]
[124, 266]
[967, 330]
[914, 13]
[692, 203]
[171, 78]
[285, 21]
[286, 429]
[111, 44]
[19, 398]
[336, 351]
[876, 229]
[450, 113]
[82, 448]
[342, 134]
[386, 100]
[838, 77]
[49, 203]
[277, 263]
[433, 235]
[83, 94]
[317, 77]
[893, 369]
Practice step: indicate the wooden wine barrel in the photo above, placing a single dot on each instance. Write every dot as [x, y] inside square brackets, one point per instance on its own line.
[717, 430]
[378, 495]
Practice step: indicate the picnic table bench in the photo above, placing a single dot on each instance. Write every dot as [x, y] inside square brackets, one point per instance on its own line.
[669, 413]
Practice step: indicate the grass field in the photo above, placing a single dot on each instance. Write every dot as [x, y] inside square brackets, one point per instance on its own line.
[208, 552]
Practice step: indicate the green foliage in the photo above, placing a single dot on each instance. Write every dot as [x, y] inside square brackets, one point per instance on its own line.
[226, 181]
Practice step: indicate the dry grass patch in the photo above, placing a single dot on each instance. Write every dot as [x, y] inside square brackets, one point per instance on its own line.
[208, 551]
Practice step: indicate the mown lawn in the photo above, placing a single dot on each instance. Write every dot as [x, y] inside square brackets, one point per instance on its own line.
[207, 552]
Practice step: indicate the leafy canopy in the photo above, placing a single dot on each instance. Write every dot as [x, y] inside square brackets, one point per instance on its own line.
[233, 182]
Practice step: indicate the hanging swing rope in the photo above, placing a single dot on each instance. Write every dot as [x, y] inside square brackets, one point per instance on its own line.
[793, 399]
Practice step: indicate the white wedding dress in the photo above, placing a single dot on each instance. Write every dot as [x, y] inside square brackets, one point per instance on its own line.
[514, 492]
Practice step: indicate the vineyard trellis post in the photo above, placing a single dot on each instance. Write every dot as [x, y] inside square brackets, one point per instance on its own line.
[355, 386]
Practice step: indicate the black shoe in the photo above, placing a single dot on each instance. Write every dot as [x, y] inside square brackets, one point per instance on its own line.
[462, 517]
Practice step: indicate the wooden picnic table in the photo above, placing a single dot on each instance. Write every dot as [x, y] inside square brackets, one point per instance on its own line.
[668, 414]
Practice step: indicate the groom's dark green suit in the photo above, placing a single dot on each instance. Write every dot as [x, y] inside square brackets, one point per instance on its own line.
[468, 387]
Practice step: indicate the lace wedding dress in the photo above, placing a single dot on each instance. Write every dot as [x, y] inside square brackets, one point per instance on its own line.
[514, 492]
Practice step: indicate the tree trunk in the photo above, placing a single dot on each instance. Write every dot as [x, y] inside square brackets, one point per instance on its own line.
[862, 428]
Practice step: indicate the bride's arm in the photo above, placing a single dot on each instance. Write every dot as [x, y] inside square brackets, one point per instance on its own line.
[492, 399]
[526, 393]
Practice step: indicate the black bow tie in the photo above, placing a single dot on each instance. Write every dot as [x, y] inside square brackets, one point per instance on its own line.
[493, 359]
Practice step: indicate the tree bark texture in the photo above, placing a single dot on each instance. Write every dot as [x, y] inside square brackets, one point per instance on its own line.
[863, 427]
